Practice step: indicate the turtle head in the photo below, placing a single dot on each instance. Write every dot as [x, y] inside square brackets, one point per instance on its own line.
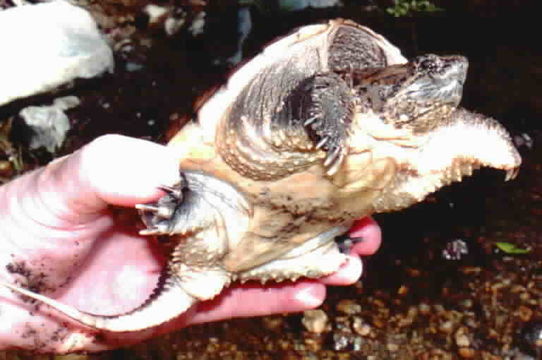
[416, 95]
[420, 140]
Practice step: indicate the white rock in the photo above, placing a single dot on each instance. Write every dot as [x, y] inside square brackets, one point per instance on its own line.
[49, 123]
[155, 12]
[315, 321]
[244, 27]
[294, 5]
[46, 45]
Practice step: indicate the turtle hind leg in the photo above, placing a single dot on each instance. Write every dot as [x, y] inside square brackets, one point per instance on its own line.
[316, 257]
[327, 116]
[292, 267]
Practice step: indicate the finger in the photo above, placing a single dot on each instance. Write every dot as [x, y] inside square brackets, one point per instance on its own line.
[246, 300]
[74, 189]
[368, 236]
[112, 169]
[125, 171]
[255, 300]
[348, 274]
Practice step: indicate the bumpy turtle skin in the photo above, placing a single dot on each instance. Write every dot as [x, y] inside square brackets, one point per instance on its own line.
[326, 125]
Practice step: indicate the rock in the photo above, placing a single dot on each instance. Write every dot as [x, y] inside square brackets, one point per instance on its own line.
[525, 313]
[424, 309]
[46, 45]
[49, 124]
[461, 338]
[446, 327]
[392, 347]
[273, 323]
[530, 338]
[360, 327]
[6, 169]
[296, 5]
[244, 27]
[348, 307]
[455, 250]
[156, 13]
[467, 353]
[315, 321]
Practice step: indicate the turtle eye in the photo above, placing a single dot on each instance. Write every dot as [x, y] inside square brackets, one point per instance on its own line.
[430, 64]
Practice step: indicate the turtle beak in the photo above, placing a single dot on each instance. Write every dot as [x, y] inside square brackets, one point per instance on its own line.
[483, 142]
[456, 72]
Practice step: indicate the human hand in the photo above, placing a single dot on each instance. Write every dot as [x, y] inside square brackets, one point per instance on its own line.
[60, 236]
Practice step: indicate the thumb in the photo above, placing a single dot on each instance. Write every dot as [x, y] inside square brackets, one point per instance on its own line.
[123, 171]
[111, 170]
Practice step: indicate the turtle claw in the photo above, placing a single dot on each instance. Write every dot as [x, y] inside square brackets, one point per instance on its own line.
[335, 151]
[164, 212]
[346, 243]
[333, 160]
[174, 191]
[310, 121]
[150, 232]
[332, 155]
[326, 114]
[322, 143]
[159, 216]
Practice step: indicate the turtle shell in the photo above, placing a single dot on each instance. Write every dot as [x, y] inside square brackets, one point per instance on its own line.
[256, 90]
[234, 139]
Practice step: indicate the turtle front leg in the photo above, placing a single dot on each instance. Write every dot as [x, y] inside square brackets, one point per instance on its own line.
[326, 112]
[184, 214]
[158, 216]
[174, 213]
[200, 213]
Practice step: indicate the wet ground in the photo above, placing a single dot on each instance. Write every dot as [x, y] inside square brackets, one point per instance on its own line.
[440, 287]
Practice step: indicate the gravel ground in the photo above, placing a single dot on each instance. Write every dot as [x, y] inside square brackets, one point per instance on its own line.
[440, 288]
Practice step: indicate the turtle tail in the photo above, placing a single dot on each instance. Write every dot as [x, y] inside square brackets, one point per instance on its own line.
[168, 301]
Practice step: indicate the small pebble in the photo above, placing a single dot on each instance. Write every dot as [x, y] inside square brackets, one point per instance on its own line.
[467, 353]
[531, 337]
[403, 290]
[341, 341]
[349, 307]
[6, 168]
[315, 321]
[466, 304]
[313, 343]
[425, 309]
[461, 338]
[273, 323]
[360, 327]
[446, 327]
[525, 313]
[392, 347]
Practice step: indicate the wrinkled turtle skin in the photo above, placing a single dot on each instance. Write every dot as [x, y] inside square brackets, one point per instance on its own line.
[325, 126]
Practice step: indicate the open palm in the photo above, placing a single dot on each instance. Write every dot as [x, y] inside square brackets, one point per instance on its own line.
[60, 235]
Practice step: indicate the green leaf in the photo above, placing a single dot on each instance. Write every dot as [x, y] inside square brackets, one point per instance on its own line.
[511, 249]
[408, 8]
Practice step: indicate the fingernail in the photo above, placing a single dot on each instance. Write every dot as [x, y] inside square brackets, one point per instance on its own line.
[357, 234]
[358, 228]
[169, 168]
[346, 244]
[311, 296]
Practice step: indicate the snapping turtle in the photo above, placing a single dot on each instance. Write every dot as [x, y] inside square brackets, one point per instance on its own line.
[326, 125]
